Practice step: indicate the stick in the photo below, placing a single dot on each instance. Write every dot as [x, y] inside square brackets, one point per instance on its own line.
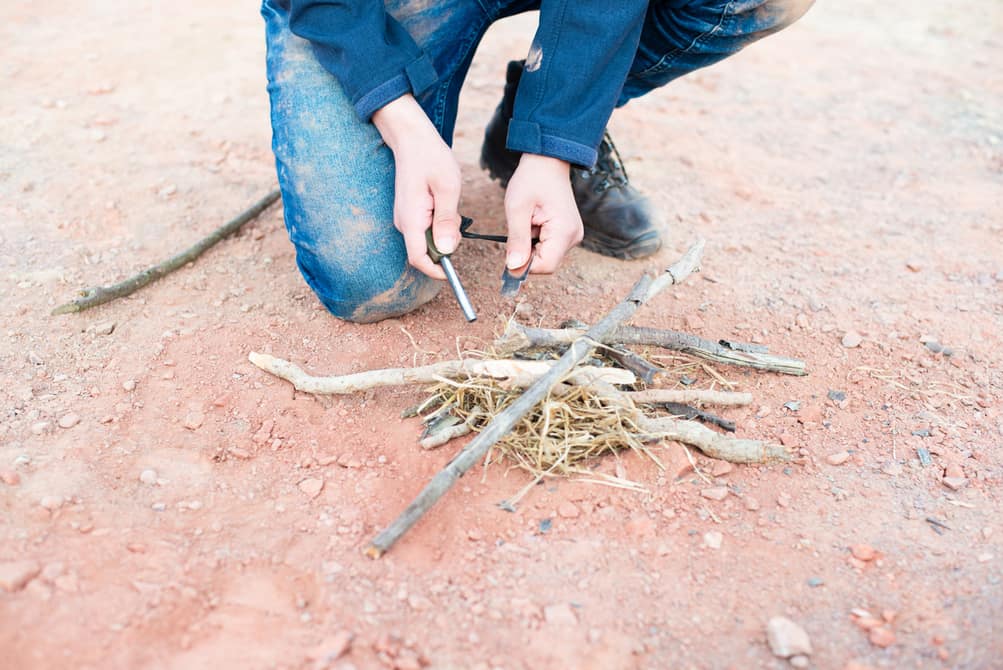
[690, 397]
[99, 295]
[505, 420]
[518, 374]
[715, 445]
[518, 337]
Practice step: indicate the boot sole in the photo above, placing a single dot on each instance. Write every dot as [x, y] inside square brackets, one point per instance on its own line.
[641, 247]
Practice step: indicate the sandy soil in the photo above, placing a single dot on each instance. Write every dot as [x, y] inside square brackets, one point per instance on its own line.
[847, 175]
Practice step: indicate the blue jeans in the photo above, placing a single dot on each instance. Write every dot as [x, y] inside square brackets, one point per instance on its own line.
[337, 175]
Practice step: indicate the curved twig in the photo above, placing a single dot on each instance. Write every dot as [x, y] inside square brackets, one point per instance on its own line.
[99, 295]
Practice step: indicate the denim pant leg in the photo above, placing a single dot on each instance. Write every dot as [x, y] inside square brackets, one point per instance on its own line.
[680, 36]
[337, 175]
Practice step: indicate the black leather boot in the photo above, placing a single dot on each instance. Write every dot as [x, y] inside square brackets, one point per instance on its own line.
[616, 216]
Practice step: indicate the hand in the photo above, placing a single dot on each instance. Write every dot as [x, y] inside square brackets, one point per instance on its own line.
[427, 182]
[539, 202]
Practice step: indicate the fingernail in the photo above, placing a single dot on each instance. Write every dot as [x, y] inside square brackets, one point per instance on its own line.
[447, 245]
[515, 260]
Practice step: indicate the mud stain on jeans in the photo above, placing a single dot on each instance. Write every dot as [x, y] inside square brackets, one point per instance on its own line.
[408, 293]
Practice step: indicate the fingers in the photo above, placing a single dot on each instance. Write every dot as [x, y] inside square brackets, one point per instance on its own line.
[519, 214]
[446, 218]
[411, 217]
[556, 238]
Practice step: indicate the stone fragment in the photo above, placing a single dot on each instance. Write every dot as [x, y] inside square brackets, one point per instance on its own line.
[786, 638]
[863, 552]
[717, 493]
[311, 486]
[721, 468]
[852, 339]
[103, 328]
[15, 575]
[712, 539]
[148, 477]
[799, 661]
[838, 458]
[51, 503]
[881, 637]
[955, 483]
[129, 385]
[10, 477]
[69, 420]
[751, 504]
[194, 420]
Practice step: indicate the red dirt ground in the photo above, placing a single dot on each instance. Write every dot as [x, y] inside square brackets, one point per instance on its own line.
[847, 176]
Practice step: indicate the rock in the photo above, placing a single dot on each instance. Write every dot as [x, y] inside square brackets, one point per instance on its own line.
[69, 420]
[560, 614]
[677, 463]
[148, 477]
[783, 500]
[103, 327]
[311, 486]
[330, 649]
[129, 385]
[15, 575]
[475, 535]
[721, 468]
[51, 503]
[751, 504]
[717, 493]
[838, 458]
[954, 471]
[40, 427]
[863, 552]
[713, 539]
[881, 637]
[10, 478]
[955, 483]
[568, 510]
[786, 638]
[194, 420]
[852, 339]
[799, 661]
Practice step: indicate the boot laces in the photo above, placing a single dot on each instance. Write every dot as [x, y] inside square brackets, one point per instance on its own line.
[609, 166]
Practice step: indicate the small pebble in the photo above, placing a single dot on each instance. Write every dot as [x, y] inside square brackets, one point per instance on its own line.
[148, 477]
[129, 385]
[799, 661]
[10, 478]
[717, 493]
[713, 539]
[881, 637]
[955, 483]
[104, 328]
[51, 503]
[194, 420]
[786, 638]
[751, 504]
[838, 458]
[721, 468]
[40, 427]
[852, 339]
[69, 420]
[311, 486]
[15, 575]
[863, 552]
[560, 614]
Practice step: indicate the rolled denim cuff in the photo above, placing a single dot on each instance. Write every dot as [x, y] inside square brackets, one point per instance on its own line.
[419, 75]
[528, 137]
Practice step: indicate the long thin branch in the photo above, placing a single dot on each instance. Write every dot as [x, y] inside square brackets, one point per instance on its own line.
[690, 397]
[505, 420]
[517, 374]
[518, 337]
[99, 295]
